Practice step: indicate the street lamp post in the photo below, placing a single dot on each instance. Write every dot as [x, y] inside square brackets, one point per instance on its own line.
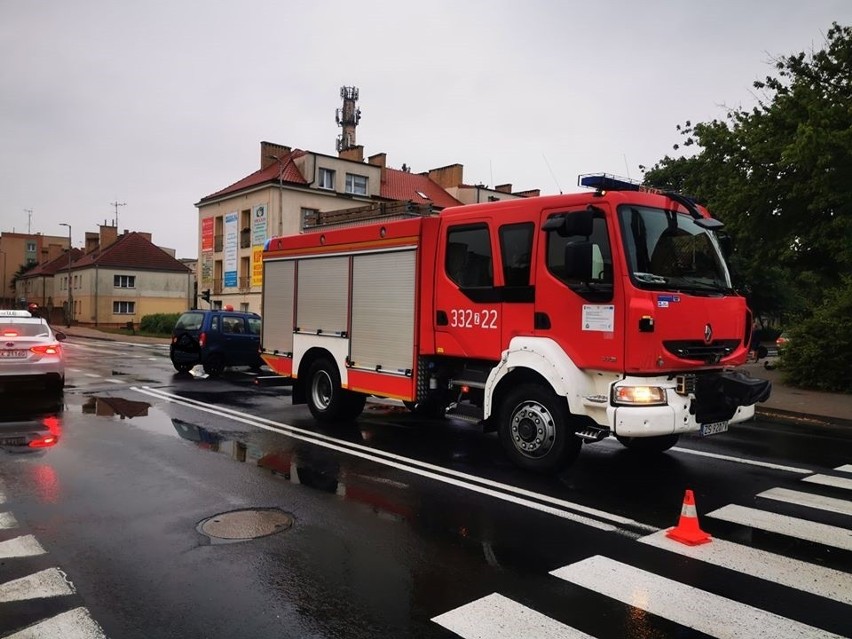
[69, 314]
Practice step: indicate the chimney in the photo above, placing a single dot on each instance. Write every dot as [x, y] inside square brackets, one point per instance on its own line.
[108, 235]
[503, 188]
[529, 193]
[92, 240]
[269, 151]
[147, 236]
[379, 159]
[354, 153]
[447, 177]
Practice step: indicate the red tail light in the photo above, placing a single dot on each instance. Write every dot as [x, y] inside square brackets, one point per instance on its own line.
[46, 349]
[10, 333]
[44, 442]
[202, 340]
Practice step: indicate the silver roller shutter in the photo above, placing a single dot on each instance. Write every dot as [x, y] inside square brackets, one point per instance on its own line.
[278, 288]
[323, 295]
[383, 310]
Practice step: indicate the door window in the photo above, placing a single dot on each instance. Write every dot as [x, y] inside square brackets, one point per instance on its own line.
[233, 325]
[516, 249]
[468, 260]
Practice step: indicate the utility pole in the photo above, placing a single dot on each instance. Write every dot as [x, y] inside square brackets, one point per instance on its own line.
[29, 213]
[116, 204]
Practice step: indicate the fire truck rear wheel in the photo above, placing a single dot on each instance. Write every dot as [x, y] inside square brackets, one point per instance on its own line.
[534, 426]
[328, 401]
[649, 445]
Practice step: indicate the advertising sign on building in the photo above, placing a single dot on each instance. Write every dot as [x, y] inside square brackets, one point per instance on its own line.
[207, 234]
[231, 249]
[258, 225]
[257, 266]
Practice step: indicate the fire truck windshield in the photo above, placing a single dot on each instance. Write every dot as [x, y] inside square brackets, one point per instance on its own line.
[668, 250]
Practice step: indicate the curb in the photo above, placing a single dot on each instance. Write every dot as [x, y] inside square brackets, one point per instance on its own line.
[793, 417]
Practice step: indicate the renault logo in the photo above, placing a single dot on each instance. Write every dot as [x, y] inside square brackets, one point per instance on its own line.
[708, 334]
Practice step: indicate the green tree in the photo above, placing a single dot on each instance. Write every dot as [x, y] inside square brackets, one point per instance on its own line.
[780, 176]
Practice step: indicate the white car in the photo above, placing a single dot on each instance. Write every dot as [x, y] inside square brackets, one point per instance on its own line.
[30, 351]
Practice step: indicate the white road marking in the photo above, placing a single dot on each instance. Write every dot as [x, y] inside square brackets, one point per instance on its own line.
[91, 375]
[808, 500]
[784, 525]
[689, 606]
[742, 460]
[25, 546]
[845, 468]
[413, 466]
[47, 583]
[115, 381]
[74, 370]
[828, 480]
[817, 580]
[155, 359]
[498, 617]
[7, 520]
[74, 624]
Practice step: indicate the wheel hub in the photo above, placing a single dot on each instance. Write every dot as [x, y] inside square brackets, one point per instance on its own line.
[533, 429]
[321, 389]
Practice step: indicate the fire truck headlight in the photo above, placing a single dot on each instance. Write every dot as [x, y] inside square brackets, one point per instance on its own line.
[640, 395]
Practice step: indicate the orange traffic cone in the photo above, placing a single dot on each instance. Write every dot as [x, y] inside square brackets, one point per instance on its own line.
[687, 530]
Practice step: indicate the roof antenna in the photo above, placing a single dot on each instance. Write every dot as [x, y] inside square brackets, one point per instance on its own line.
[551, 173]
[627, 168]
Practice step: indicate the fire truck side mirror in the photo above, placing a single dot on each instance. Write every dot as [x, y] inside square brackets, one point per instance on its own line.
[578, 261]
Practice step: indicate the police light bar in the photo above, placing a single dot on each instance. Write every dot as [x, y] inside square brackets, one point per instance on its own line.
[607, 182]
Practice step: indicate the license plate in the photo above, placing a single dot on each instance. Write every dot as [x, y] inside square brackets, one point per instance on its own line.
[713, 429]
[13, 354]
[12, 441]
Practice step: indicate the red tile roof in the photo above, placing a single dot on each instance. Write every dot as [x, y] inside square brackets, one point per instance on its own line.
[132, 251]
[291, 175]
[401, 185]
[55, 265]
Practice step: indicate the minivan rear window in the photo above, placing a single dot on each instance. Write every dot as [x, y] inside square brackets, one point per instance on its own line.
[190, 321]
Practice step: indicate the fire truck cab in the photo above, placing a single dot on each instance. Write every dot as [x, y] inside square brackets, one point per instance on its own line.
[553, 320]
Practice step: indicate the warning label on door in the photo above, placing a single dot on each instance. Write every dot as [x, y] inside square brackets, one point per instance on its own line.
[598, 317]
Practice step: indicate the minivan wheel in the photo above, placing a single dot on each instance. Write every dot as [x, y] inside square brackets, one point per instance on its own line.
[182, 368]
[214, 365]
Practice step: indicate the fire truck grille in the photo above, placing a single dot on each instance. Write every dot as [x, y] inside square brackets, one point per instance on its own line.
[697, 350]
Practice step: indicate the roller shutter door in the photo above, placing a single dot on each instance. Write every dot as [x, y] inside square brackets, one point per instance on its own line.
[383, 287]
[278, 289]
[323, 295]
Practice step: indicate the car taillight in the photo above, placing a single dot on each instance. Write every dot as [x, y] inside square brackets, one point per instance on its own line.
[10, 333]
[45, 349]
[202, 340]
[44, 442]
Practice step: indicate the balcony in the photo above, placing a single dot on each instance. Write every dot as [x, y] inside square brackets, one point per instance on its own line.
[217, 286]
[218, 243]
[245, 238]
[245, 284]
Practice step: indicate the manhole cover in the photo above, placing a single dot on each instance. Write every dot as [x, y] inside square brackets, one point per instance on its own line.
[240, 525]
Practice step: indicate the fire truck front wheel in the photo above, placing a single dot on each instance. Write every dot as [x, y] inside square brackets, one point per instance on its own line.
[328, 401]
[534, 426]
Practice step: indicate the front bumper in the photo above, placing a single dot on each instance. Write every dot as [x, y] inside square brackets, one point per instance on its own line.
[701, 398]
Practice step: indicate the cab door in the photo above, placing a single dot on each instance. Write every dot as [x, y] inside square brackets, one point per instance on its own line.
[467, 301]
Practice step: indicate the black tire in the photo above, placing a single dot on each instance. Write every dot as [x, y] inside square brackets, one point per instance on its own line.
[649, 445]
[327, 400]
[214, 365]
[55, 385]
[534, 429]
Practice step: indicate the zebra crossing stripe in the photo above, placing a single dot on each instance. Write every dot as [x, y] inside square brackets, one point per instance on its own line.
[784, 525]
[498, 617]
[7, 520]
[47, 583]
[74, 624]
[25, 546]
[811, 578]
[808, 500]
[845, 468]
[686, 605]
[828, 480]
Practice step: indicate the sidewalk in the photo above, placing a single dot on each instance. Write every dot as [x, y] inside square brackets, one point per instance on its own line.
[786, 402]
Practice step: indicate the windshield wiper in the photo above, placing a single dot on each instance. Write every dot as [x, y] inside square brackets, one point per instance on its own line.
[650, 278]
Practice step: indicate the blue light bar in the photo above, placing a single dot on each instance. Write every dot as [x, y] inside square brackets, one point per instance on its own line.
[607, 182]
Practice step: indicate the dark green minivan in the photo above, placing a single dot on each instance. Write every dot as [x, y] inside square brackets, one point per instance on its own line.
[215, 339]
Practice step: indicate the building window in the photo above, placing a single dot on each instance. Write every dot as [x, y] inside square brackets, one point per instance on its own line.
[325, 179]
[356, 184]
[123, 308]
[244, 307]
[124, 281]
[31, 247]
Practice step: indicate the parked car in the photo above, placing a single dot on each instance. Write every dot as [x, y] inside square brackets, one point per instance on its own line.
[30, 351]
[215, 339]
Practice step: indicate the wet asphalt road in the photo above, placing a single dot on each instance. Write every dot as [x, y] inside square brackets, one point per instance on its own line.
[401, 527]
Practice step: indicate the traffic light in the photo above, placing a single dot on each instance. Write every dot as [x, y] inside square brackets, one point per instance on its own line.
[205, 295]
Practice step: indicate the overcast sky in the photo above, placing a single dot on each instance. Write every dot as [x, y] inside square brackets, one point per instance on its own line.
[159, 103]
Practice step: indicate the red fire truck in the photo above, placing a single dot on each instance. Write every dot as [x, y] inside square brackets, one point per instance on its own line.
[553, 320]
